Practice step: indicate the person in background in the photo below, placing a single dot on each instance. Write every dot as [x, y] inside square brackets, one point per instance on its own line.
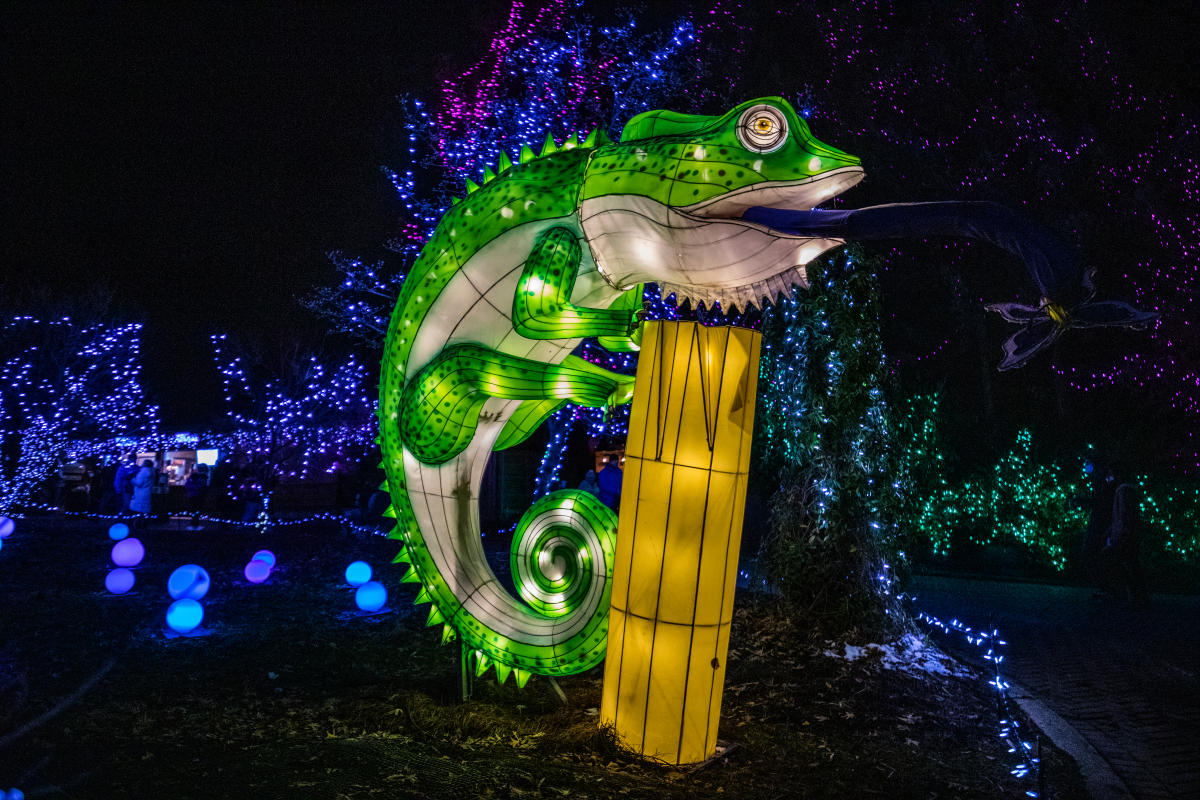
[123, 481]
[1099, 521]
[610, 483]
[589, 483]
[196, 487]
[1119, 560]
[142, 483]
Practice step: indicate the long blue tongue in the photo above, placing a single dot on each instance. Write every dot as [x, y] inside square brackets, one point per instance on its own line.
[1052, 265]
[1066, 291]
[800, 223]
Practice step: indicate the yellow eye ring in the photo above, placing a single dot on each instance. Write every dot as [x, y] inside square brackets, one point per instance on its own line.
[762, 129]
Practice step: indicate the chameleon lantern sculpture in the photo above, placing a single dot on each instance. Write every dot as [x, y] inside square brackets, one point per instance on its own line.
[555, 248]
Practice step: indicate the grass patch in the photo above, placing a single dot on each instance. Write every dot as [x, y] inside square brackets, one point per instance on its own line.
[293, 695]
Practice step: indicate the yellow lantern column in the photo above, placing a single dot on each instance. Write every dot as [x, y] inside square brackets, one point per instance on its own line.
[687, 463]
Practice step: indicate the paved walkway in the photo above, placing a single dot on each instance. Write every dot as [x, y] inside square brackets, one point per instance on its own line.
[1127, 681]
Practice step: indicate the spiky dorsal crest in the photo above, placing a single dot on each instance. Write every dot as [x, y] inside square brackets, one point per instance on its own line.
[482, 662]
[596, 138]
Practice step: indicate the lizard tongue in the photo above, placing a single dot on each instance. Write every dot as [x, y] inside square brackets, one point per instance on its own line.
[812, 222]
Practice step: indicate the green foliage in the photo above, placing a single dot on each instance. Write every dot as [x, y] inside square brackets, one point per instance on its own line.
[823, 430]
[1170, 516]
[1026, 500]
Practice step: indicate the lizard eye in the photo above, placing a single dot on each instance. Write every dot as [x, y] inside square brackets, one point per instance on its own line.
[762, 129]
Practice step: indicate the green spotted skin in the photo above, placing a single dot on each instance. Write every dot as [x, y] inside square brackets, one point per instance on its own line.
[680, 159]
[478, 354]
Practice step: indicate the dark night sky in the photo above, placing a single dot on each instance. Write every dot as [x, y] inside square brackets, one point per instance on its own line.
[201, 158]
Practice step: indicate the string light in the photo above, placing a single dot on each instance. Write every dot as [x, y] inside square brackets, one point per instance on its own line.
[1027, 501]
[64, 387]
[291, 424]
[1009, 727]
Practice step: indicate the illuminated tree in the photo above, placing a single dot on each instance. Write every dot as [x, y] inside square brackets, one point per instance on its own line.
[64, 386]
[824, 436]
[292, 413]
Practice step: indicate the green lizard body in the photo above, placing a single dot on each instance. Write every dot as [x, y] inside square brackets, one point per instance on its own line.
[478, 352]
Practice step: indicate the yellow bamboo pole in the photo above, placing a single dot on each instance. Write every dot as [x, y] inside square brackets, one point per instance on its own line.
[687, 461]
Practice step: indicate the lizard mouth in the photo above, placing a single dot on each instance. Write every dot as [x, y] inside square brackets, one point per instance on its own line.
[780, 210]
[799, 195]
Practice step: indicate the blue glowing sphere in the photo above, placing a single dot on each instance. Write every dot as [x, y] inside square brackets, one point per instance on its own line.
[190, 580]
[118, 531]
[358, 573]
[257, 571]
[185, 615]
[119, 581]
[7, 526]
[371, 596]
[264, 555]
[14, 794]
[128, 552]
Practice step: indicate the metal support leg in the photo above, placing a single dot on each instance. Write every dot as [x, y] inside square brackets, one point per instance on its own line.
[468, 671]
[562, 696]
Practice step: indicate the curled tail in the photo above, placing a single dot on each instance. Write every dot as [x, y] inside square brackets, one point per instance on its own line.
[438, 431]
[562, 559]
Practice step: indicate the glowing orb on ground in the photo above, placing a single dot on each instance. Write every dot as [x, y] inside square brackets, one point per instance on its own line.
[118, 531]
[7, 526]
[119, 581]
[128, 552]
[185, 615]
[257, 571]
[190, 580]
[371, 596]
[358, 573]
[264, 555]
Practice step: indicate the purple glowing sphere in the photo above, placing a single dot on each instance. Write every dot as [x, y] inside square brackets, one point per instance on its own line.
[7, 526]
[119, 581]
[190, 580]
[128, 552]
[257, 571]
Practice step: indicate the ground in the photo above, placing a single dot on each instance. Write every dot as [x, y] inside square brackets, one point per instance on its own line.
[292, 693]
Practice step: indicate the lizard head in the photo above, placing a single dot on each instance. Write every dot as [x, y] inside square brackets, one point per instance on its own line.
[666, 203]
